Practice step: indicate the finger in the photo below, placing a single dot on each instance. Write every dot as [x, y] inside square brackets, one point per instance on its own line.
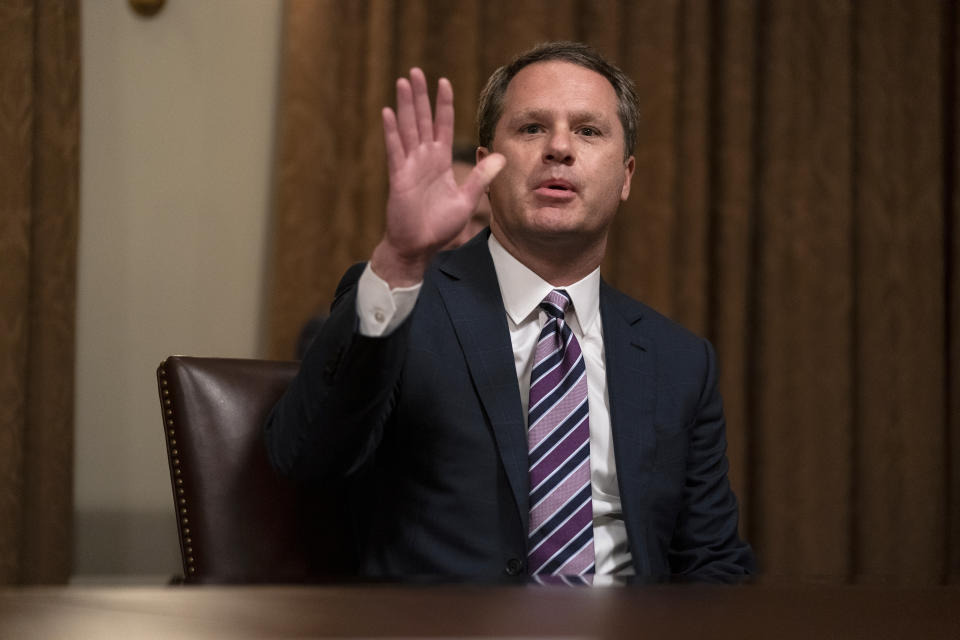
[406, 119]
[482, 175]
[392, 141]
[421, 103]
[444, 124]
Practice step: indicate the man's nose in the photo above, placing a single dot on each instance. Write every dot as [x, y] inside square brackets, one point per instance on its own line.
[559, 148]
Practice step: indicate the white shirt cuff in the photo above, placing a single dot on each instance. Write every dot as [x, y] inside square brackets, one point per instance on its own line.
[381, 309]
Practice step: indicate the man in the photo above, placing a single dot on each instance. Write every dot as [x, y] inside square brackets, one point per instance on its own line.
[506, 411]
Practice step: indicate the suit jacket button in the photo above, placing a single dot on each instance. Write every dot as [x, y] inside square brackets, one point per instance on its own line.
[514, 567]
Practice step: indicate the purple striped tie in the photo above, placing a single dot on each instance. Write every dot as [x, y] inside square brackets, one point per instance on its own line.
[561, 511]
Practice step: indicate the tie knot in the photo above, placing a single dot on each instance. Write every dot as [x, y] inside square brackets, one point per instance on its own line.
[556, 303]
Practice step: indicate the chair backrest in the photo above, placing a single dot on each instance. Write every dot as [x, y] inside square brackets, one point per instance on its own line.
[238, 521]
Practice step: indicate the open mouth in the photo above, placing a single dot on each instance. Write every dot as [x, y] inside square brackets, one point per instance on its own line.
[555, 187]
[556, 195]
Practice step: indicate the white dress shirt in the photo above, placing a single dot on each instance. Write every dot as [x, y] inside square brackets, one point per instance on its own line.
[381, 310]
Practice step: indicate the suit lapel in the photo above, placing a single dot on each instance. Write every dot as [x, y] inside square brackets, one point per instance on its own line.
[468, 286]
[630, 385]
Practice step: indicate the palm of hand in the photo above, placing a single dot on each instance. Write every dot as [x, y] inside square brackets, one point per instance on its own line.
[426, 208]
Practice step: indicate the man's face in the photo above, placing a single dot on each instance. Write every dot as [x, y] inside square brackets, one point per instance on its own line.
[565, 174]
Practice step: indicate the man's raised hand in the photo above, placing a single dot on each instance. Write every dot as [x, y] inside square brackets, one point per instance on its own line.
[426, 208]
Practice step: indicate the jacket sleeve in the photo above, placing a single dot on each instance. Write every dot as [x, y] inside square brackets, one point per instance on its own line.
[706, 544]
[332, 416]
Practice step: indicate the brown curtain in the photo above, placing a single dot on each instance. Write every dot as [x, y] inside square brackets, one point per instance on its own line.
[39, 178]
[795, 201]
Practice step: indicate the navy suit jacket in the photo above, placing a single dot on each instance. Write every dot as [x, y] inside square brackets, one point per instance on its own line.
[428, 422]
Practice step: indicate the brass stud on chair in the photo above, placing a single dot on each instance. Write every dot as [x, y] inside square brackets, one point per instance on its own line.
[175, 468]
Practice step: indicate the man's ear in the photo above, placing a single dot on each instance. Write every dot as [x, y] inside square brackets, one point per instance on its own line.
[482, 152]
[628, 168]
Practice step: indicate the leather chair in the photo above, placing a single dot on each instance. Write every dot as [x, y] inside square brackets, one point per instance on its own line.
[238, 521]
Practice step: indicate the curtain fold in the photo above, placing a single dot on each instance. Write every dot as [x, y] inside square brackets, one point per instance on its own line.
[39, 185]
[795, 201]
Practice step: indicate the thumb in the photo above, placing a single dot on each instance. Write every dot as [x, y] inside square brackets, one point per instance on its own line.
[482, 175]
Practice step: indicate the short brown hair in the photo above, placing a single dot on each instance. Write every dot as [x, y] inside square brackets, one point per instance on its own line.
[490, 108]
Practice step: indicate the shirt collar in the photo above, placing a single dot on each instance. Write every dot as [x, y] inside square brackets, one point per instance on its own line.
[523, 290]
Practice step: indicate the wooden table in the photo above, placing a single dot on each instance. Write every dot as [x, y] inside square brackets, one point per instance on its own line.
[674, 612]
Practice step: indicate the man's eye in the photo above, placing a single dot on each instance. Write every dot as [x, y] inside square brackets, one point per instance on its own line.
[589, 131]
[531, 128]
